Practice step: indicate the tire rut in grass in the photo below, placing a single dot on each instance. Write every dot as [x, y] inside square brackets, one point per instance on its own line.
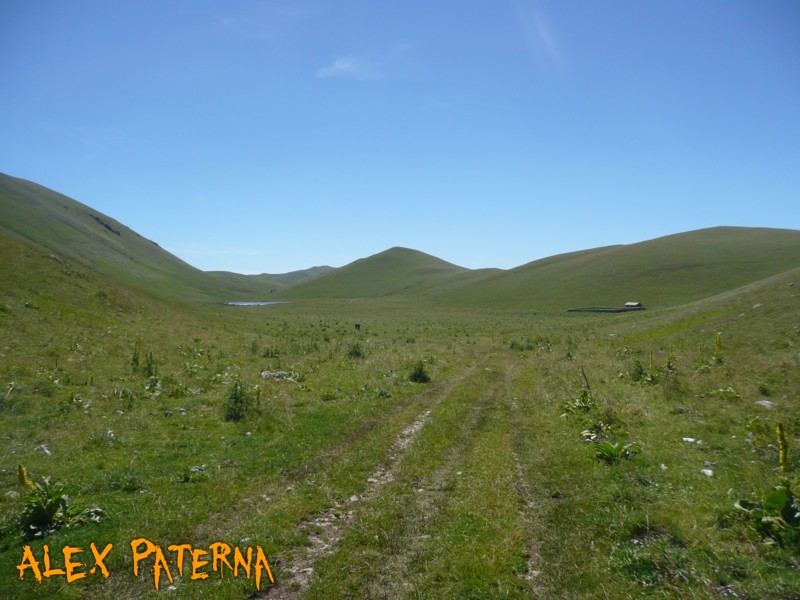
[528, 497]
[326, 529]
[402, 517]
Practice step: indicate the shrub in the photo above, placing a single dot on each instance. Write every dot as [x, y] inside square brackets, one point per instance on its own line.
[419, 374]
[355, 351]
[238, 401]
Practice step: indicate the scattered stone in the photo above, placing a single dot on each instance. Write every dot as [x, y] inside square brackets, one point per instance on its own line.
[663, 467]
[709, 465]
[688, 439]
[182, 411]
[12, 494]
[44, 449]
[198, 469]
[353, 498]
[759, 305]
[167, 413]
[119, 412]
[707, 472]
[766, 404]
[280, 376]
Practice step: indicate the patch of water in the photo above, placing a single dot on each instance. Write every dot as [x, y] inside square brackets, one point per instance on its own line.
[252, 303]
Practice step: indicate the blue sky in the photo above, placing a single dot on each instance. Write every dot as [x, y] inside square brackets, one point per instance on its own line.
[269, 136]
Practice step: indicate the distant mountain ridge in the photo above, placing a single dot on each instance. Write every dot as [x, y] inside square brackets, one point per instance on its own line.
[663, 272]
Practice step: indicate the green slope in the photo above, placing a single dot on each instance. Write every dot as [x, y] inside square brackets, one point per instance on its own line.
[667, 271]
[394, 272]
[268, 282]
[79, 233]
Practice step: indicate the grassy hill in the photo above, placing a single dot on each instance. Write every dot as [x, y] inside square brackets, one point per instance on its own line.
[667, 271]
[268, 282]
[397, 271]
[79, 233]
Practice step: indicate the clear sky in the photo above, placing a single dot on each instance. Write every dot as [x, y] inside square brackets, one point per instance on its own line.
[268, 136]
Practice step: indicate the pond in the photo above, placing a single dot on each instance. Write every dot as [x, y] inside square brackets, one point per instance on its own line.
[252, 303]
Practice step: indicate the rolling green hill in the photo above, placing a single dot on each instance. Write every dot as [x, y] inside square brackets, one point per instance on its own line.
[394, 272]
[79, 233]
[268, 282]
[667, 271]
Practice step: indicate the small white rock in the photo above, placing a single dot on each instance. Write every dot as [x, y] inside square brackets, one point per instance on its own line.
[690, 440]
[663, 467]
[766, 404]
[44, 448]
[707, 472]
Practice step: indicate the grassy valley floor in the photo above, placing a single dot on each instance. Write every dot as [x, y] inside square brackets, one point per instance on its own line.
[551, 455]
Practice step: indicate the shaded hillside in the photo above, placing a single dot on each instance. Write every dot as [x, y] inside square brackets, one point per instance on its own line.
[667, 271]
[77, 232]
[268, 282]
[397, 271]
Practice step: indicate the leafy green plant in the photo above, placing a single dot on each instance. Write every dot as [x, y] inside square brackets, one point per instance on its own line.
[150, 366]
[238, 402]
[612, 453]
[419, 374]
[355, 350]
[522, 345]
[639, 374]
[600, 431]
[137, 355]
[716, 358]
[776, 516]
[582, 403]
[46, 508]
